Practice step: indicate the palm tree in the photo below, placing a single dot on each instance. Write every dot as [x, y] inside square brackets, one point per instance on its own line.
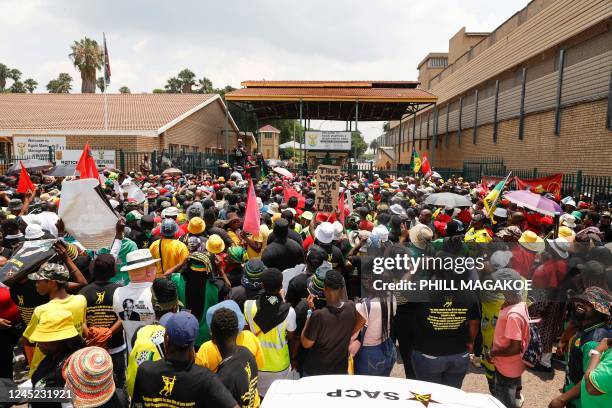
[187, 78]
[30, 85]
[124, 89]
[374, 145]
[4, 73]
[174, 85]
[87, 56]
[206, 85]
[17, 87]
[15, 74]
[63, 84]
[100, 83]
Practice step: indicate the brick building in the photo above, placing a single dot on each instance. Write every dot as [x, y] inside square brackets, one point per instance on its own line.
[535, 91]
[269, 138]
[136, 122]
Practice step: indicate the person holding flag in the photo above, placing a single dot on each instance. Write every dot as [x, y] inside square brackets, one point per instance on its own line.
[493, 197]
[415, 161]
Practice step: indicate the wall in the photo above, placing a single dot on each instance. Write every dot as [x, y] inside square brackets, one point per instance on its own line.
[461, 43]
[269, 145]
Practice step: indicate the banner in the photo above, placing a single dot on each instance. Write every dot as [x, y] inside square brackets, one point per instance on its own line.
[327, 140]
[103, 158]
[490, 181]
[27, 259]
[550, 184]
[87, 215]
[328, 188]
[37, 147]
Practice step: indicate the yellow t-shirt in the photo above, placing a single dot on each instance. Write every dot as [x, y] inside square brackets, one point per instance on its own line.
[76, 304]
[235, 238]
[148, 346]
[173, 252]
[209, 356]
[252, 253]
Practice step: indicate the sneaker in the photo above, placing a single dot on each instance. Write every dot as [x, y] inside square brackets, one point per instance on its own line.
[518, 402]
[475, 361]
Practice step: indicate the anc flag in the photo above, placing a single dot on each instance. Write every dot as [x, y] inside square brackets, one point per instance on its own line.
[415, 161]
[107, 69]
[491, 200]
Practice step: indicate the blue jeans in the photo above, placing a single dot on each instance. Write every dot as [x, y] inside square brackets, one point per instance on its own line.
[375, 360]
[446, 370]
[504, 389]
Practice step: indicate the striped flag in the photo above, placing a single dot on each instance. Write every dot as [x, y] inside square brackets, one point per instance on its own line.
[492, 199]
[107, 69]
[415, 161]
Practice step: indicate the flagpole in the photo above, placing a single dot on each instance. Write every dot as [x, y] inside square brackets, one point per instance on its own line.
[104, 91]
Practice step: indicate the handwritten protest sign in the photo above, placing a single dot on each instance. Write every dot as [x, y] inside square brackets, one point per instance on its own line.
[328, 185]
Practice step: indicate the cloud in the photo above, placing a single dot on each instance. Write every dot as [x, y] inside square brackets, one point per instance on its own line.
[234, 40]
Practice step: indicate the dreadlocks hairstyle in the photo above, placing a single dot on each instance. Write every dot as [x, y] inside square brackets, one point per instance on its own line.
[224, 325]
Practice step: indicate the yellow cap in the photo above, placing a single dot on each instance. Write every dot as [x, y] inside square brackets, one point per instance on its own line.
[196, 226]
[54, 325]
[215, 244]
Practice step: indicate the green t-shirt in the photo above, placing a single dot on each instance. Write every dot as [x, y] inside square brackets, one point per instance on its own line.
[127, 246]
[601, 378]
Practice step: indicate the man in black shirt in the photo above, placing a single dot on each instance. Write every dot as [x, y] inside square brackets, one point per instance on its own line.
[283, 253]
[175, 380]
[298, 285]
[100, 315]
[140, 230]
[238, 369]
[328, 330]
[291, 234]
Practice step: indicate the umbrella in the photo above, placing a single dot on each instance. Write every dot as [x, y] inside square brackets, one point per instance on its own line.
[62, 170]
[32, 165]
[283, 172]
[535, 202]
[172, 172]
[448, 200]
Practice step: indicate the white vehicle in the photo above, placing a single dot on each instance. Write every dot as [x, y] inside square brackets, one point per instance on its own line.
[357, 391]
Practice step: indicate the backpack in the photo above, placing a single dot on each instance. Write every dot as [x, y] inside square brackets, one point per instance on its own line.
[532, 353]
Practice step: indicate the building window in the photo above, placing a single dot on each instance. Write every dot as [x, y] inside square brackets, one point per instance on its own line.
[268, 135]
[184, 148]
[195, 149]
[174, 148]
[437, 62]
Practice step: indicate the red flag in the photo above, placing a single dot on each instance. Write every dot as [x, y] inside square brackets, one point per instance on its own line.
[25, 183]
[251, 215]
[425, 167]
[341, 208]
[289, 192]
[550, 184]
[87, 165]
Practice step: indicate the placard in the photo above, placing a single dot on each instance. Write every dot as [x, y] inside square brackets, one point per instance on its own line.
[37, 147]
[327, 140]
[103, 158]
[328, 188]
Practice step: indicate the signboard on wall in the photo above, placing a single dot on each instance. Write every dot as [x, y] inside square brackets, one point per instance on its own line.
[327, 140]
[103, 158]
[37, 147]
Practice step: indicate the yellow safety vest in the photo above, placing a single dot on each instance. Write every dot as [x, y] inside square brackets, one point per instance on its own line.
[273, 343]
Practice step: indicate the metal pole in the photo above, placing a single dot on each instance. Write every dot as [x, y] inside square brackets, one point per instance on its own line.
[356, 129]
[304, 144]
[226, 133]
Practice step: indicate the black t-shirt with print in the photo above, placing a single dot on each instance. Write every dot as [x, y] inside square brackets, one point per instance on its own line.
[100, 313]
[283, 255]
[331, 329]
[176, 384]
[442, 324]
[239, 375]
[27, 298]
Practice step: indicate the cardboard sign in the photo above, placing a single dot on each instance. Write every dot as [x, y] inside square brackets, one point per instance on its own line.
[27, 259]
[328, 187]
[86, 213]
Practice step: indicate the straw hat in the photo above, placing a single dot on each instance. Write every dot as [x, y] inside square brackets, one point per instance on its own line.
[567, 233]
[531, 241]
[560, 246]
[54, 325]
[89, 377]
[215, 244]
[420, 234]
[138, 259]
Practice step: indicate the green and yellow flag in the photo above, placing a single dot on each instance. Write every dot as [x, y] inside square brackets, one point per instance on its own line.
[415, 161]
[492, 199]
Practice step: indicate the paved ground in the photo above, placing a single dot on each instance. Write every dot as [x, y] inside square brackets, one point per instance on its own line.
[538, 388]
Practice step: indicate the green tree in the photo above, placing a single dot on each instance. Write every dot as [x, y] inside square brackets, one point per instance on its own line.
[187, 78]
[174, 85]
[30, 85]
[386, 126]
[158, 91]
[358, 145]
[100, 83]
[87, 56]
[223, 91]
[63, 84]
[374, 145]
[124, 89]
[8, 73]
[206, 86]
[17, 87]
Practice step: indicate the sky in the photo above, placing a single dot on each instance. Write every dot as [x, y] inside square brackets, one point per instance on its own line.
[230, 41]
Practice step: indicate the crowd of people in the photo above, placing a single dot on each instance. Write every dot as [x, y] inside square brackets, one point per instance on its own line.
[185, 308]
